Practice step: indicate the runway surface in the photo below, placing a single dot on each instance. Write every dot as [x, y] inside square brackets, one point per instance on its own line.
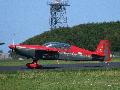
[64, 66]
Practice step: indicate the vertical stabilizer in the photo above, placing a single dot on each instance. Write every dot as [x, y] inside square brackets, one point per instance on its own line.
[103, 49]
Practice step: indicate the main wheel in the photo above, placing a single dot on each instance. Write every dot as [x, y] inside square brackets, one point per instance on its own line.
[33, 66]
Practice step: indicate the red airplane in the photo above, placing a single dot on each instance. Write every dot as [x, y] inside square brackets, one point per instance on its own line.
[62, 51]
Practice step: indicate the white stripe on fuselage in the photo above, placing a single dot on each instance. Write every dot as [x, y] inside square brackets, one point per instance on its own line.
[21, 47]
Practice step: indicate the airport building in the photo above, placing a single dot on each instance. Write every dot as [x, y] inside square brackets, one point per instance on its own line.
[4, 56]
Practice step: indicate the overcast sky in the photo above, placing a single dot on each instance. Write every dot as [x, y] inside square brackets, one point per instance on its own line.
[22, 19]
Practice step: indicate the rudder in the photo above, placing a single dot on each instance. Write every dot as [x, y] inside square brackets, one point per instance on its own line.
[103, 49]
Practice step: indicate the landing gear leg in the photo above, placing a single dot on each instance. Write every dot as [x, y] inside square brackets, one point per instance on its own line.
[34, 65]
[108, 63]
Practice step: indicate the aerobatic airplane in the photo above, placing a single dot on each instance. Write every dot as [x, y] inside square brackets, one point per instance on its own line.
[62, 51]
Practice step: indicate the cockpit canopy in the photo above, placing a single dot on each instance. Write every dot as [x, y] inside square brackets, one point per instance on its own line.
[57, 45]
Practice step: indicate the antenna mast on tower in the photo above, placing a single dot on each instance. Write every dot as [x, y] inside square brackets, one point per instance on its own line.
[58, 16]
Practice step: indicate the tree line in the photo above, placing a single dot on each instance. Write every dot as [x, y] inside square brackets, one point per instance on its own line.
[83, 35]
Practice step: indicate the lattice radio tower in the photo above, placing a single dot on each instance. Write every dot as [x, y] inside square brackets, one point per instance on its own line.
[58, 17]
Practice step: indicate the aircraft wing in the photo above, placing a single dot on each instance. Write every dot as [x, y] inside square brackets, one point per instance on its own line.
[2, 43]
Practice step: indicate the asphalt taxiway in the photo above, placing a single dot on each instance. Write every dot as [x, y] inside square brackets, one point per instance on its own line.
[64, 66]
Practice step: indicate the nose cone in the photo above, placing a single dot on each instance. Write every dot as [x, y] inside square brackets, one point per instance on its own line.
[12, 46]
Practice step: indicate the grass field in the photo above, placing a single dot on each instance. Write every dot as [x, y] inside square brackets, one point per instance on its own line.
[61, 80]
[90, 79]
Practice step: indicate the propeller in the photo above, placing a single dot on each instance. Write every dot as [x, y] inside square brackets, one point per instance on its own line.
[13, 40]
[12, 50]
[12, 46]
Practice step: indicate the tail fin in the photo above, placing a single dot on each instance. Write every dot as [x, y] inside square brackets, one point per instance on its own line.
[103, 49]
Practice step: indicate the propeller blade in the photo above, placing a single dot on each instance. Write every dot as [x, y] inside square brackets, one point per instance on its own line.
[12, 50]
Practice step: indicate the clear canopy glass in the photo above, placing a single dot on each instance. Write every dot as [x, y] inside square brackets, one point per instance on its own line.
[57, 45]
